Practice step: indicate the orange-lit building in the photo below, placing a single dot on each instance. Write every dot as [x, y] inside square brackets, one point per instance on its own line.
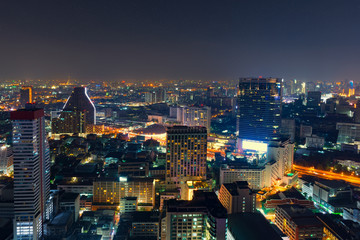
[26, 95]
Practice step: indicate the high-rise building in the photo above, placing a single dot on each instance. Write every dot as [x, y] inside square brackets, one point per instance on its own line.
[156, 96]
[288, 128]
[237, 197]
[313, 99]
[194, 116]
[310, 87]
[258, 111]
[26, 95]
[80, 101]
[283, 154]
[185, 154]
[201, 218]
[69, 122]
[31, 173]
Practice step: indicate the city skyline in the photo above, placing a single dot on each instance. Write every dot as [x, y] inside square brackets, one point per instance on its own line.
[307, 40]
[179, 120]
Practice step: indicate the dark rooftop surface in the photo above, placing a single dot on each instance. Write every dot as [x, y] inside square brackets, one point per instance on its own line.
[202, 202]
[233, 187]
[251, 226]
[145, 216]
[61, 219]
[68, 196]
[331, 222]
[332, 183]
[86, 236]
[301, 216]
[291, 193]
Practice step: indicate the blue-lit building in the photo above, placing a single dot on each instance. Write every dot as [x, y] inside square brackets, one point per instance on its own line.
[258, 111]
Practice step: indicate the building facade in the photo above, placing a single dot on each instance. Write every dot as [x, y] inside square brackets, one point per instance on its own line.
[31, 173]
[201, 218]
[108, 193]
[258, 109]
[255, 176]
[348, 132]
[186, 149]
[26, 95]
[79, 100]
[6, 159]
[298, 222]
[237, 197]
[194, 116]
[69, 122]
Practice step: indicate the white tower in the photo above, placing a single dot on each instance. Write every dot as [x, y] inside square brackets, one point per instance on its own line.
[31, 172]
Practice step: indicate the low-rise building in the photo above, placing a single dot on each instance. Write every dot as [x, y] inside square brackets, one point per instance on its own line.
[70, 202]
[298, 222]
[201, 218]
[237, 197]
[331, 195]
[128, 204]
[145, 224]
[108, 192]
[290, 196]
[60, 224]
[314, 141]
[255, 176]
[254, 226]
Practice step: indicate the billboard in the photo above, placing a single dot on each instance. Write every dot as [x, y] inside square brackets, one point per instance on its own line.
[254, 145]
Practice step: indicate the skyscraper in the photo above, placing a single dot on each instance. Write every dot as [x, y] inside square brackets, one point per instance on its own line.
[258, 110]
[186, 149]
[195, 116]
[157, 96]
[26, 95]
[80, 101]
[31, 172]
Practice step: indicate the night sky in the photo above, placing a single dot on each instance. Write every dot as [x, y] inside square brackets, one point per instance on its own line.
[199, 39]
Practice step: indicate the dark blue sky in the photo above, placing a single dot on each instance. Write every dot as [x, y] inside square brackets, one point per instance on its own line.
[198, 39]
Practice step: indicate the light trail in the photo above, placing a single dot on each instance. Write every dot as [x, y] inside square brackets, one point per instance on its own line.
[326, 174]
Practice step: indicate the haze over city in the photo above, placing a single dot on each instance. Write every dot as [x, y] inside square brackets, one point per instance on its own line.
[196, 40]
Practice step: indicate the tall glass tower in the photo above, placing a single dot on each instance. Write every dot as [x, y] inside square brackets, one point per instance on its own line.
[258, 110]
[31, 173]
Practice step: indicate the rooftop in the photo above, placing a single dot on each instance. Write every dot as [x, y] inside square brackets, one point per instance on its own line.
[244, 226]
[145, 216]
[291, 193]
[69, 196]
[233, 187]
[202, 202]
[186, 129]
[61, 219]
[300, 215]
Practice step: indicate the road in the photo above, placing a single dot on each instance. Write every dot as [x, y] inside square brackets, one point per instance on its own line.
[326, 174]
